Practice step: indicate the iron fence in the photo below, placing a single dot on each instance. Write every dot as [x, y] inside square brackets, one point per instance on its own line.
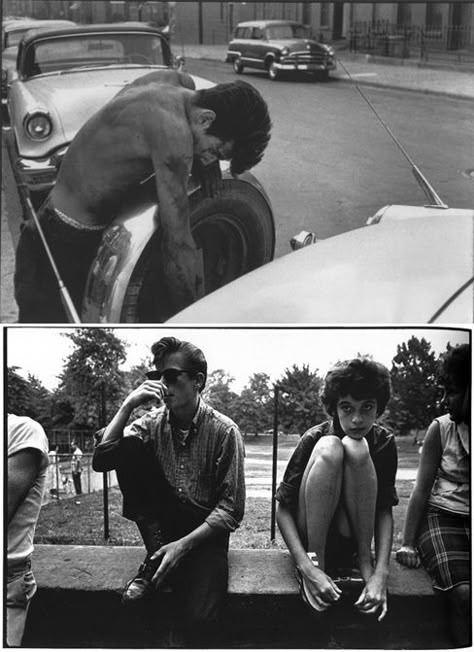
[425, 42]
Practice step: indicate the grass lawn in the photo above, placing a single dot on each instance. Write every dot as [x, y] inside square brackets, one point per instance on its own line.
[80, 520]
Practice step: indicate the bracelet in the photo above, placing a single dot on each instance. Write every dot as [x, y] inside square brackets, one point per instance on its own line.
[313, 558]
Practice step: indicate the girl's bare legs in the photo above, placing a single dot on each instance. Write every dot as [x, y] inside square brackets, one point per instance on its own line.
[360, 493]
[319, 494]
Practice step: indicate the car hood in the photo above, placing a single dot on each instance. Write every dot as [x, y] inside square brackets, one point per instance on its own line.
[71, 99]
[397, 272]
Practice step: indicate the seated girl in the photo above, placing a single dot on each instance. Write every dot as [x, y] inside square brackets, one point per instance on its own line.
[437, 524]
[338, 491]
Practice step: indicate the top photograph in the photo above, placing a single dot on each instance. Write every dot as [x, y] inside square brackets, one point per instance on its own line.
[237, 162]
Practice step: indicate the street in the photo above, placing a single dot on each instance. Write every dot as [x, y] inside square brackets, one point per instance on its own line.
[330, 164]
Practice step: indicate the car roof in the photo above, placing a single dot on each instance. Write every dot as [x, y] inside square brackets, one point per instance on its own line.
[267, 23]
[92, 29]
[36, 23]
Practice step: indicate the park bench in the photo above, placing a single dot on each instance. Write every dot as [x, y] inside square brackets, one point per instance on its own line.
[79, 589]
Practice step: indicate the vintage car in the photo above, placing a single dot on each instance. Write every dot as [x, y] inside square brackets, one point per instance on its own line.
[64, 77]
[407, 265]
[279, 46]
[12, 33]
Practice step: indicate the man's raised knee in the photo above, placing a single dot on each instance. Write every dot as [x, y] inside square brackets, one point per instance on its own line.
[329, 449]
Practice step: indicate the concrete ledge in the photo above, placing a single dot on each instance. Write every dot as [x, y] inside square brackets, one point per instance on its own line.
[82, 584]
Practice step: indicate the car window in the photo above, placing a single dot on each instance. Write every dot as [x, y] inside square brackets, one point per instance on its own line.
[89, 50]
[257, 33]
[243, 32]
[286, 31]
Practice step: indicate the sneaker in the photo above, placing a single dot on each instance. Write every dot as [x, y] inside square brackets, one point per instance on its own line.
[140, 585]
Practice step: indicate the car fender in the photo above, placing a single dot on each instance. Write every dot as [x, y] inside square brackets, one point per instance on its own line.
[122, 245]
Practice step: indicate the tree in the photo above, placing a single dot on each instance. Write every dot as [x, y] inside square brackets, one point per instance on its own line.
[300, 406]
[28, 397]
[414, 390]
[218, 392]
[254, 406]
[91, 372]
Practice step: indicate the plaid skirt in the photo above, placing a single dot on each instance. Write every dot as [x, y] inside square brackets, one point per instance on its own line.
[444, 548]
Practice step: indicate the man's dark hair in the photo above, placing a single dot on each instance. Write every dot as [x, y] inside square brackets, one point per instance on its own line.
[242, 116]
[360, 378]
[455, 367]
[194, 357]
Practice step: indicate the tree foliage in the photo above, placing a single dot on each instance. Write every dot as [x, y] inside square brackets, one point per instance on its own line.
[91, 381]
[254, 406]
[218, 392]
[300, 406]
[414, 390]
[28, 397]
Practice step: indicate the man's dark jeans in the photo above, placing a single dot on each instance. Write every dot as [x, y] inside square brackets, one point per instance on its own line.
[36, 288]
[200, 582]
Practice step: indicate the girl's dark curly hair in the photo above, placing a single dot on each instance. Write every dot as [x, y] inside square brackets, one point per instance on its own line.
[194, 357]
[455, 367]
[242, 116]
[360, 378]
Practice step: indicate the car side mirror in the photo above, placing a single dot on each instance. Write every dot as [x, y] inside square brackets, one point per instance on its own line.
[179, 62]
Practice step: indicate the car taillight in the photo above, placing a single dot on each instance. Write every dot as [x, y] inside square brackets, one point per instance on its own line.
[38, 126]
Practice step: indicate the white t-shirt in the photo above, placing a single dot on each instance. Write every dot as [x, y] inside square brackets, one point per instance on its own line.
[24, 433]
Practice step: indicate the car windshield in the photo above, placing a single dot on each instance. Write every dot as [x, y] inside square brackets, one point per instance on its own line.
[277, 32]
[91, 50]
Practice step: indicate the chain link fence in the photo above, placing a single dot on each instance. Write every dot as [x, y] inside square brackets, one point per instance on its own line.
[61, 484]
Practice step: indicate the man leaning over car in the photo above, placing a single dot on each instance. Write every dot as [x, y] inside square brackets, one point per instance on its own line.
[155, 126]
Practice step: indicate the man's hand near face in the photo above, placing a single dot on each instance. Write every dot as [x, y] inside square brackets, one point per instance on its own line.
[208, 176]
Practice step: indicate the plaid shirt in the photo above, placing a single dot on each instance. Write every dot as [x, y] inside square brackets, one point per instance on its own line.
[204, 469]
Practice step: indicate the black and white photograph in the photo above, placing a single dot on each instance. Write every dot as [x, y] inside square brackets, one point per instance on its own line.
[239, 487]
[312, 159]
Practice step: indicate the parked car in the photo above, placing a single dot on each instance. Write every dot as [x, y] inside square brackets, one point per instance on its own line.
[12, 33]
[279, 46]
[408, 265]
[64, 77]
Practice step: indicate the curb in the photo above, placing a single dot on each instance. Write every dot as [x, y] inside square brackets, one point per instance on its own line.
[424, 91]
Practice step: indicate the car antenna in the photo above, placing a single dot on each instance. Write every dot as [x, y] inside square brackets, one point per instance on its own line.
[427, 188]
[67, 302]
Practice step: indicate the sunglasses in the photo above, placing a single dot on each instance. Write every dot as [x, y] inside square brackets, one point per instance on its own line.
[168, 375]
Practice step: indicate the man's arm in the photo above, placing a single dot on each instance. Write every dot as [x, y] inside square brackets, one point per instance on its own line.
[23, 469]
[104, 453]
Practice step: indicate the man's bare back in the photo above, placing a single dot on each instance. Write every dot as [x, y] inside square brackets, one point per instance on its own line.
[142, 128]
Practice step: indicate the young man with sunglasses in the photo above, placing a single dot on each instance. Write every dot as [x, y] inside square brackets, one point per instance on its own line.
[180, 468]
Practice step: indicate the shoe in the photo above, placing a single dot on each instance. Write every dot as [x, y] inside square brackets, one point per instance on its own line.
[140, 585]
[306, 594]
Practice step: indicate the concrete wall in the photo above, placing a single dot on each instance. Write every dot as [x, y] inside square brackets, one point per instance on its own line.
[78, 605]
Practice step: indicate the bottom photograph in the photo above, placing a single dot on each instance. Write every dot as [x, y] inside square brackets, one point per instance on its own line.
[171, 487]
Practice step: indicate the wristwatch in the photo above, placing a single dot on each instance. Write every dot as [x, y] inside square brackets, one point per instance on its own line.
[312, 556]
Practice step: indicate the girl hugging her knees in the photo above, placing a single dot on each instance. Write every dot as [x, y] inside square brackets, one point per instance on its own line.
[338, 491]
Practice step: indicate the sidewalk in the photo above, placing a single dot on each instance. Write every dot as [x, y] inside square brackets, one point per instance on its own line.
[372, 70]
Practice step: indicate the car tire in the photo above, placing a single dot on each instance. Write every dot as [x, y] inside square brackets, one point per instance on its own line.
[238, 66]
[273, 72]
[236, 234]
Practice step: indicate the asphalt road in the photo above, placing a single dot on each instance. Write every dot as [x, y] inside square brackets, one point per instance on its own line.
[330, 164]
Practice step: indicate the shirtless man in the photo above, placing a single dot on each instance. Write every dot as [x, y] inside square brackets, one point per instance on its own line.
[158, 125]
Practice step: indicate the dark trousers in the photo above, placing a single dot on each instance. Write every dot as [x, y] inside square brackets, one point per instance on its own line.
[200, 582]
[36, 288]
[76, 478]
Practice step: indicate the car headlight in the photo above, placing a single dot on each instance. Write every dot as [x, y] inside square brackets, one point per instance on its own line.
[38, 126]
[285, 51]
